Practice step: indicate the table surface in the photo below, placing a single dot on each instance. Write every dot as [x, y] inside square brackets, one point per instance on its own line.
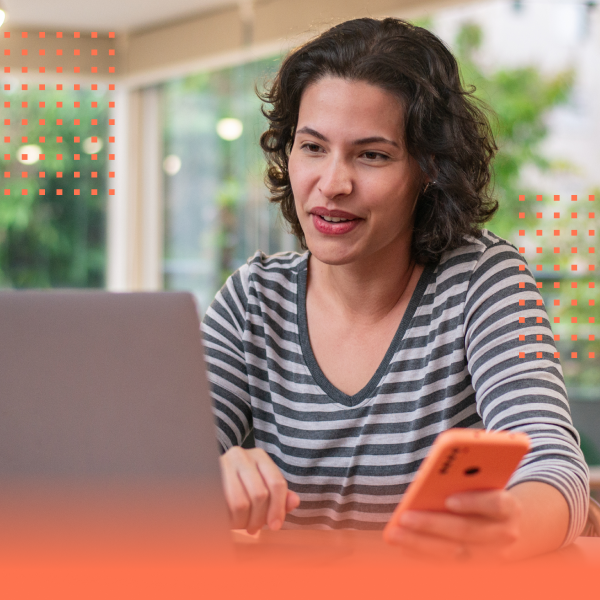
[358, 564]
[301, 565]
[344, 546]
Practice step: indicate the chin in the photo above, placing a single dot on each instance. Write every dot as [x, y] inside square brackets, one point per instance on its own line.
[333, 253]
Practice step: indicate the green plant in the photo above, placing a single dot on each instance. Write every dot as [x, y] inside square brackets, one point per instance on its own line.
[520, 98]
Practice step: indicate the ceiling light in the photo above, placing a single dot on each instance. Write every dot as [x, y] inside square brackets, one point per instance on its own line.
[230, 129]
[92, 147]
[29, 155]
[172, 164]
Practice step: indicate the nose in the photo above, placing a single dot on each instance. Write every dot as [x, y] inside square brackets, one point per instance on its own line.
[336, 178]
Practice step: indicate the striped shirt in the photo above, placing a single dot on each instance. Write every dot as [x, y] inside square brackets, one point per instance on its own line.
[458, 359]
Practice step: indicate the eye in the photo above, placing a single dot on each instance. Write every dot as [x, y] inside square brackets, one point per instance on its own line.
[311, 147]
[373, 156]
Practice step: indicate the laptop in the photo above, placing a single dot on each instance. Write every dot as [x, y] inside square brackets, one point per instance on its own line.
[107, 438]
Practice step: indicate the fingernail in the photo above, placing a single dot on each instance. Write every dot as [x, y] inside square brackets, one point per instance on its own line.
[275, 525]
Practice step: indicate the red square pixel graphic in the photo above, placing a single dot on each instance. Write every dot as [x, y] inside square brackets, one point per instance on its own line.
[45, 121]
[567, 267]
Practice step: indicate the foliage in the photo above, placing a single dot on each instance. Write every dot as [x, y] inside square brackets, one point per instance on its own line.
[521, 99]
[49, 236]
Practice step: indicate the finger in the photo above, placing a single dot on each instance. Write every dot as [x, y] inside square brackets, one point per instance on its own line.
[258, 495]
[237, 499]
[277, 487]
[423, 545]
[292, 501]
[496, 504]
[462, 529]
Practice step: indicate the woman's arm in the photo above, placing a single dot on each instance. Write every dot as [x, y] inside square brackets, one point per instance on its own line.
[517, 376]
[255, 490]
[544, 519]
[222, 332]
[519, 386]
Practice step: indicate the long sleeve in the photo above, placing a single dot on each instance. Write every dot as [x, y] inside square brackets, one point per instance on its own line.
[517, 376]
[223, 331]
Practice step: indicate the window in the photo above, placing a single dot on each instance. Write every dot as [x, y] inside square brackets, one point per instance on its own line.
[53, 198]
[216, 209]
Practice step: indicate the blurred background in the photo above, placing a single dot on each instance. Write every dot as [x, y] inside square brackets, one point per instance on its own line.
[140, 125]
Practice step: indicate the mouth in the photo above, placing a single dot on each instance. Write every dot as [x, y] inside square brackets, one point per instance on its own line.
[333, 216]
[334, 219]
[334, 222]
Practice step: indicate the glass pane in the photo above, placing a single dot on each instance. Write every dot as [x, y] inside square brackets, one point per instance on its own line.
[53, 204]
[216, 208]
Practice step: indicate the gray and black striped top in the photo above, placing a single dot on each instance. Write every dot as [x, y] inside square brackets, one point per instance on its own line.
[454, 362]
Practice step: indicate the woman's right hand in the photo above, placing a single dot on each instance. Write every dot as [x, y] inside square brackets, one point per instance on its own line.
[255, 490]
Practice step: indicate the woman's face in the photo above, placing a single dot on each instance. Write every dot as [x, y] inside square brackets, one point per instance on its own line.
[349, 161]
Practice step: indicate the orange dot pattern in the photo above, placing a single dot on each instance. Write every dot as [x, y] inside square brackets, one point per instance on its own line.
[561, 252]
[77, 70]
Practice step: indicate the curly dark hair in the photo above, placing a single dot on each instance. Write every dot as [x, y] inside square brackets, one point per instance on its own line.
[446, 128]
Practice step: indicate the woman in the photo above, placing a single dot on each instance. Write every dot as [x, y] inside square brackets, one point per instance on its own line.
[402, 320]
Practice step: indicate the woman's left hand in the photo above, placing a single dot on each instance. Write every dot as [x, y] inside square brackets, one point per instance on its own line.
[479, 525]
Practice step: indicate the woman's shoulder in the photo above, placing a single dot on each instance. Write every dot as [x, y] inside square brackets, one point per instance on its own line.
[280, 262]
[261, 272]
[261, 268]
[477, 250]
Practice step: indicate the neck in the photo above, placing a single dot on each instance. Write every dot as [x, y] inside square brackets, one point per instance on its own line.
[366, 290]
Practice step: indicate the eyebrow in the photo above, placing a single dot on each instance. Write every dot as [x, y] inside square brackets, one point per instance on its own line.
[361, 142]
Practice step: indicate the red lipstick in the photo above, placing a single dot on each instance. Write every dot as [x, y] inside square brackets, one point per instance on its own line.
[324, 212]
[331, 228]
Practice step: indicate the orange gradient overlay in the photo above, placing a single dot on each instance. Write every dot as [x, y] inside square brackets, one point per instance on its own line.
[91, 543]
[170, 539]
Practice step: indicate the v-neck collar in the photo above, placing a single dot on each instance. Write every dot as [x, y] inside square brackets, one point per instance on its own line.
[334, 393]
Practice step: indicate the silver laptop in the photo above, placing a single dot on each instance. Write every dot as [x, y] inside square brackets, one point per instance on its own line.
[105, 418]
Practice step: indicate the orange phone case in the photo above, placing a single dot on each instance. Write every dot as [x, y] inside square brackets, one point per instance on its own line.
[463, 460]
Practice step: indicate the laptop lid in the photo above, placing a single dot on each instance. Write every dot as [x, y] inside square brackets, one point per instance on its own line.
[104, 401]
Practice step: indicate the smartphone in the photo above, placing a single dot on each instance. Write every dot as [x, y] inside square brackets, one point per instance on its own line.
[463, 460]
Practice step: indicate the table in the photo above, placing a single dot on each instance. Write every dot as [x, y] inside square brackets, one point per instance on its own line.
[345, 546]
[307, 565]
[357, 564]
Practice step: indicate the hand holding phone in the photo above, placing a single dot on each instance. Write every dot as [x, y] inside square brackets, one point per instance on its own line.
[461, 460]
